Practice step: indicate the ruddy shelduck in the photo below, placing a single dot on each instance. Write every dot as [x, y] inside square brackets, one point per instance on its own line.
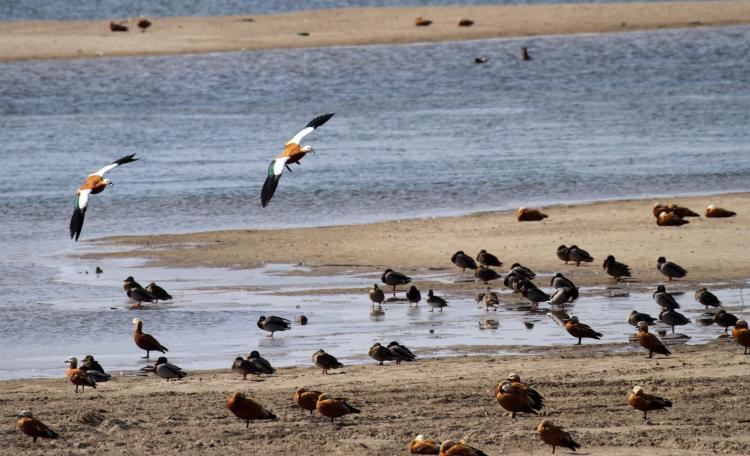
[451, 448]
[556, 436]
[580, 330]
[421, 445]
[718, 212]
[95, 183]
[639, 400]
[292, 153]
[515, 398]
[333, 407]
[670, 219]
[77, 376]
[741, 334]
[34, 428]
[649, 341]
[306, 399]
[146, 341]
[247, 409]
[529, 215]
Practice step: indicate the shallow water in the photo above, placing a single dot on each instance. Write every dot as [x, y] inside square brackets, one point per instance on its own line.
[419, 131]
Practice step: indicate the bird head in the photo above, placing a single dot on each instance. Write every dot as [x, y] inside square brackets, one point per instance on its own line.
[661, 260]
[574, 319]
[306, 149]
[254, 354]
[73, 361]
[642, 326]
[637, 390]
[161, 360]
[742, 324]
[107, 182]
[513, 377]
[137, 321]
[25, 414]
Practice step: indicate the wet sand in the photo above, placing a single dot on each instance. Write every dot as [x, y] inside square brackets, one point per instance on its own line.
[712, 250]
[585, 389]
[25, 40]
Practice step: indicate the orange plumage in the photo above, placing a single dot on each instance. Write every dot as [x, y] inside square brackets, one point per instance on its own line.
[646, 402]
[649, 341]
[580, 330]
[718, 212]
[555, 436]
[529, 215]
[513, 397]
[670, 219]
[247, 409]
[146, 341]
[331, 407]
[34, 428]
[77, 376]
[306, 399]
[420, 445]
[741, 334]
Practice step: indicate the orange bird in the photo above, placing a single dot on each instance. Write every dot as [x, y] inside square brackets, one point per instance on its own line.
[555, 436]
[530, 215]
[649, 341]
[146, 341]
[451, 448]
[292, 153]
[77, 376]
[34, 428]
[581, 330]
[420, 445]
[333, 407]
[670, 219]
[95, 183]
[306, 399]
[515, 398]
[718, 212]
[741, 334]
[646, 402]
[247, 409]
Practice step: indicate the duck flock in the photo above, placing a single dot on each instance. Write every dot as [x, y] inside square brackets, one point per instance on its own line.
[511, 393]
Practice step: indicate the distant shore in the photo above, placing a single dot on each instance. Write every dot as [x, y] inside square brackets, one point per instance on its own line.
[26, 40]
[712, 250]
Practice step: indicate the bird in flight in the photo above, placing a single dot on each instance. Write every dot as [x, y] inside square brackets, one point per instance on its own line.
[292, 153]
[95, 183]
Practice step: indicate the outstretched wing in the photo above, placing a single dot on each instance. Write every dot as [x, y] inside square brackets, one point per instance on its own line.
[310, 127]
[115, 164]
[275, 169]
[79, 212]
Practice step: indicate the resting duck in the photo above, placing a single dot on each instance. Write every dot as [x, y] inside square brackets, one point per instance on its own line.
[637, 317]
[665, 299]
[413, 296]
[725, 319]
[380, 353]
[463, 261]
[485, 274]
[334, 407]
[669, 269]
[673, 318]
[649, 341]
[718, 212]
[376, 295]
[451, 448]
[706, 298]
[515, 398]
[579, 255]
[489, 299]
[306, 399]
[248, 409]
[741, 334]
[158, 293]
[560, 281]
[488, 259]
[562, 253]
[168, 371]
[616, 269]
[639, 400]
[401, 353]
[261, 363]
[420, 445]
[670, 219]
[394, 278]
[325, 361]
[34, 428]
[529, 215]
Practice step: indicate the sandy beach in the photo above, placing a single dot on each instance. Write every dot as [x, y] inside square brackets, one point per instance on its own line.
[710, 249]
[25, 40]
[585, 390]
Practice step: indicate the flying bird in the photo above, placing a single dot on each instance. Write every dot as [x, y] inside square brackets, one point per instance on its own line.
[95, 183]
[292, 153]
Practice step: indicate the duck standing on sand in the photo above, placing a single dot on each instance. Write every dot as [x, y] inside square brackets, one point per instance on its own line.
[376, 295]
[95, 183]
[158, 293]
[725, 319]
[669, 269]
[166, 370]
[580, 330]
[530, 215]
[34, 428]
[420, 445]
[143, 24]
[146, 341]
[485, 274]
[77, 376]
[292, 153]
[673, 318]
[306, 399]
[325, 361]
[435, 302]
[273, 324]
[665, 299]
[639, 400]
[115, 27]
[556, 436]
[616, 269]
[718, 212]
[463, 261]
[334, 407]
[636, 317]
[247, 409]
[649, 341]
[380, 353]
[401, 353]
[413, 296]
[394, 278]
[487, 259]
[579, 255]
[706, 298]
[741, 334]
[537, 399]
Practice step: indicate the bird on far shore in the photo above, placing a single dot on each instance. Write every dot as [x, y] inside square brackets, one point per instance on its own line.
[394, 278]
[725, 319]
[420, 445]
[247, 409]
[413, 296]
[146, 341]
[422, 22]
[639, 400]
[530, 215]
[616, 269]
[580, 330]
[487, 259]
[670, 219]
[463, 261]
[674, 208]
[649, 341]
[292, 153]
[115, 27]
[143, 24]
[669, 269]
[34, 428]
[435, 302]
[376, 295]
[718, 212]
[465, 22]
[325, 361]
[741, 334]
[556, 436]
[306, 399]
[158, 293]
[273, 324]
[168, 371]
[706, 298]
[95, 183]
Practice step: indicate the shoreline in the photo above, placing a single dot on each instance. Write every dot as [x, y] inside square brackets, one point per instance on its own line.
[33, 40]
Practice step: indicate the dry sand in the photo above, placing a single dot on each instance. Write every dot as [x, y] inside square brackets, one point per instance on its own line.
[710, 249]
[585, 389]
[355, 26]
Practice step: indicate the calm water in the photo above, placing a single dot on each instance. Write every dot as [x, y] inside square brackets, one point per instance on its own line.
[420, 130]
[105, 9]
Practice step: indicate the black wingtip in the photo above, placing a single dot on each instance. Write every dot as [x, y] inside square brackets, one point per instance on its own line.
[76, 223]
[320, 120]
[126, 159]
[269, 187]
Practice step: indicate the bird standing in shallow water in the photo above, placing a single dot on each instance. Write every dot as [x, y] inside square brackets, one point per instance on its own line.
[376, 295]
[435, 302]
[158, 293]
[95, 183]
[413, 296]
[146, 341]
[393, 278]
[292, 153]
[725, 319]
[705, 297]
[616, 269]
[580, 330]
[273, 324]
[673, 318]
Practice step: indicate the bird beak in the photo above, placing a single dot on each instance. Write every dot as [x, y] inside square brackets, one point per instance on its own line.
[312, 150]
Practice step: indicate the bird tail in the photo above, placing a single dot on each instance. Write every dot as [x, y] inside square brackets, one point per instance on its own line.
[163, 349]
[271, 416]
[573, 445]
[352, 409]
[667, 403]
[574, 294]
